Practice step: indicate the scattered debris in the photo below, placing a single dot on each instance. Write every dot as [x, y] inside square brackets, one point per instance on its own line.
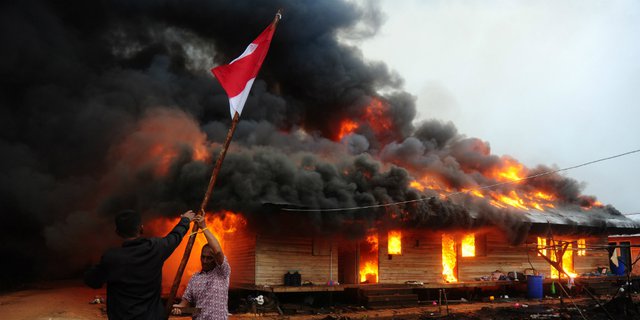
[97, 300]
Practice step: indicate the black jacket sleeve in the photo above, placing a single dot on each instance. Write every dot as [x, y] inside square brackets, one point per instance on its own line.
[96, 276]
[172, 240]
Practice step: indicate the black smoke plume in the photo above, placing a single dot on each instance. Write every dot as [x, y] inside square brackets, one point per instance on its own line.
[105, 104]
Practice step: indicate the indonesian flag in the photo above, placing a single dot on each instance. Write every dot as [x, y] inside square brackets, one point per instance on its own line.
[237, 77]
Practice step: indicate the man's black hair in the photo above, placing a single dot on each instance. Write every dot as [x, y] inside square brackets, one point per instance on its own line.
[128, 223]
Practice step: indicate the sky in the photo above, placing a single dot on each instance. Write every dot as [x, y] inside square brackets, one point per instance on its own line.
[546, 82]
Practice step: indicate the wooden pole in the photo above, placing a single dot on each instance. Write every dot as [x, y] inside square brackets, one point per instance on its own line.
[201, 212]
[205, 200]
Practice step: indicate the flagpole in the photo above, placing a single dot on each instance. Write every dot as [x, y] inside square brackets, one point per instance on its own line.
[205, 200]
[201, 212]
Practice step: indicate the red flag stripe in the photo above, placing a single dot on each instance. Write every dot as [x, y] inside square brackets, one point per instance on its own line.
[234, 76]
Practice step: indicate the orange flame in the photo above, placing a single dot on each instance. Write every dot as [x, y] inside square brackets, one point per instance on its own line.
[222, 225]
[369, 259]
[592, 204]
[473, 192]
[369, 272]
[582, 247]
[511, 170]
[542, 244]
[544, 196]
[395, 242]
[449, 260]
[538, 200]
[347, 126]
[416, 185]
[512, 200]
[159, 139]
[430, 182]
[468, 245]
[567, 262]
[377, 118]
[373, 241]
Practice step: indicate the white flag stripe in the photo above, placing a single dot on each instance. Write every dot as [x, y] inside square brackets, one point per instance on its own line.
[237, 103]
[249, 50]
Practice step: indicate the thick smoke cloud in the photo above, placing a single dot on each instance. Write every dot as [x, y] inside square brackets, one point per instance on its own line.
[110, 105]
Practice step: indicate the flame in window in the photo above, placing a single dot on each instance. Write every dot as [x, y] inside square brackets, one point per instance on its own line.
[567, 261]
[468, 246]
[542, 244]
[448, 258]
[582, 247]
[369, 258]
[369, 272]
[395, 242]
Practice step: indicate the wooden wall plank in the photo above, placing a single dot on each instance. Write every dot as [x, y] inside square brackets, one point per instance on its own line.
[506, 258]
[263, 260]
[240, 251]
[420, 259]
[277, 255]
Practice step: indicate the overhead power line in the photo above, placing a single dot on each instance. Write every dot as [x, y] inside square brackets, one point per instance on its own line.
[467, 191]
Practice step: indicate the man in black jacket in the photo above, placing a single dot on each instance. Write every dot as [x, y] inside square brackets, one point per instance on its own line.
[133, 272]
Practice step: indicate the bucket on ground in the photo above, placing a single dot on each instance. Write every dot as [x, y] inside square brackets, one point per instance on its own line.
[534, 287]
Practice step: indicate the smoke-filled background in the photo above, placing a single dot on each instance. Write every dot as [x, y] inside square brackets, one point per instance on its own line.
[110, 105]
[562, 76]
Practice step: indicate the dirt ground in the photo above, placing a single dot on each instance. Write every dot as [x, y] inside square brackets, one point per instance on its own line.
[72, 300]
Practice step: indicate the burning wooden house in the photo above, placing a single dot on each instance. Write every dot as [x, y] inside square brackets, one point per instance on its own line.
[433, 208]
[432, 256]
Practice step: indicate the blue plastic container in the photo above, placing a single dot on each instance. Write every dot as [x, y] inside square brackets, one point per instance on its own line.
[534, 287]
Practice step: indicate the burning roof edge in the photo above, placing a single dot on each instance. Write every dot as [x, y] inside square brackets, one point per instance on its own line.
[564, 220]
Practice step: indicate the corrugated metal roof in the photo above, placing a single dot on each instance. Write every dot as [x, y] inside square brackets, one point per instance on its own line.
[595, 217]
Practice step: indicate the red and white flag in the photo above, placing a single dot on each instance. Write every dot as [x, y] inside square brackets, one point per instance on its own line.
[237, 77]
